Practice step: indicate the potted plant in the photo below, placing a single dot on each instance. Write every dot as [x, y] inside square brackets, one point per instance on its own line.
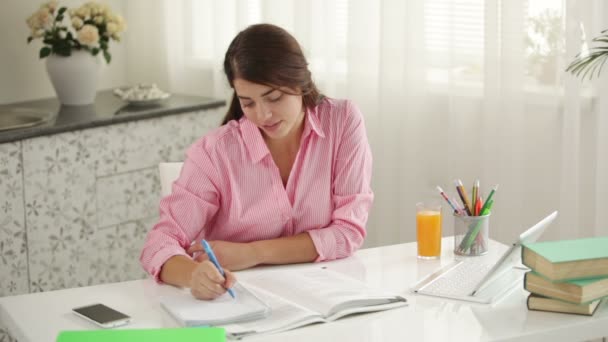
[544, 46]
[591, 61]
[72, 50]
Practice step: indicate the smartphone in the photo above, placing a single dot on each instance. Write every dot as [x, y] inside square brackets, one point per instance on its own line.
[102, 315]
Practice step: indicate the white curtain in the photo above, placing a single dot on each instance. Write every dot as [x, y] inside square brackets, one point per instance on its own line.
[450, 89]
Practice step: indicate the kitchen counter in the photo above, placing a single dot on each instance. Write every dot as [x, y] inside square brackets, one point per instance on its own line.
[107, 110]
[87, 179]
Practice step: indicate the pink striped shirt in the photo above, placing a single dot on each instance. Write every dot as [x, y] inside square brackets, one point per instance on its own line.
[230, 189]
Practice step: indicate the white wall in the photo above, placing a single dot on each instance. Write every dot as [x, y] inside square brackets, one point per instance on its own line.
[147, 53]
[154, 51]
[22, 74]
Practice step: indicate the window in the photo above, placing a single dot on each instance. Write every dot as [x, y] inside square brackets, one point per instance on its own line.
[544, 43]
[454, 33]
[201, 26]
[454, 37]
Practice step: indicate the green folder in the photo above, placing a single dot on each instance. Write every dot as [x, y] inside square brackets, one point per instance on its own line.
[147, 335]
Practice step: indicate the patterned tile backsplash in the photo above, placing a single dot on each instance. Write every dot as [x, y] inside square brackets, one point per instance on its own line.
[75, 207]
[13, 247]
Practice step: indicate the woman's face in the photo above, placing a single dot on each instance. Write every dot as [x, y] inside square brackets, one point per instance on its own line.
[274, 110]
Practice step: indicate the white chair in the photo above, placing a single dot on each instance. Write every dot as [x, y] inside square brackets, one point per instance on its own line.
[168, 174]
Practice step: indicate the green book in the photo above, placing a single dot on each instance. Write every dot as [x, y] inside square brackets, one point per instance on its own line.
[540, 303]
[568, 259]
[144, 335]
[573, 291]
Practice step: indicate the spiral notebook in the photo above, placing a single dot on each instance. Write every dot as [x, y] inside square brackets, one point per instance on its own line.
[191, 312]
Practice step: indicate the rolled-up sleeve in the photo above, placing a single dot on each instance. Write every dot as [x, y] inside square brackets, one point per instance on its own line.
[184, 213]
[352, 195]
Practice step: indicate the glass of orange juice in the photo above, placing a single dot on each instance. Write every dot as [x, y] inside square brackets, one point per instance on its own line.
[428, 230]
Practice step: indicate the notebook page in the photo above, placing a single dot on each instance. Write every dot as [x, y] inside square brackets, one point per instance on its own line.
[190, 311]
[283, 316]
[321, 290]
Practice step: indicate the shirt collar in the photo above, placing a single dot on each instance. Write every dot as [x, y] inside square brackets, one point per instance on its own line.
[254, 142]
[313, 123]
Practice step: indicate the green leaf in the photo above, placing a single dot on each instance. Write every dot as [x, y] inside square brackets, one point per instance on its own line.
[107, 56]
[66, 52]
[59, 18]
[62, 49]
[95, 51]
[62, 10]
[591, 63]
[44, 52]
[29, 39]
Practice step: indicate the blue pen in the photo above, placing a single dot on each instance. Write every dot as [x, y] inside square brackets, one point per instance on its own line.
[213, 259]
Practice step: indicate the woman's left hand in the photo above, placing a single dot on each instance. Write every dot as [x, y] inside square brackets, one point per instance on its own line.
[231, 255]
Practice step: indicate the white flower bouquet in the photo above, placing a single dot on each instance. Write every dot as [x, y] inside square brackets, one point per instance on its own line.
[92, 27]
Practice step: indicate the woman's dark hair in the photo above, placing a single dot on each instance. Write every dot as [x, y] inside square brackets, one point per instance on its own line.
[267, 54]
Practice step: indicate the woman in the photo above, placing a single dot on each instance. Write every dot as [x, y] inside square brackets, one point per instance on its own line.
[285, 179]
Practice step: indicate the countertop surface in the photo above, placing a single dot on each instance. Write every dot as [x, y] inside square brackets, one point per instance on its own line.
[107, 109]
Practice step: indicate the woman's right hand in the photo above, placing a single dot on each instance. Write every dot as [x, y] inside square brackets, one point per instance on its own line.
[206, 282]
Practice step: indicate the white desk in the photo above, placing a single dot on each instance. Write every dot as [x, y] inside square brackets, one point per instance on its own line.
[40, 316]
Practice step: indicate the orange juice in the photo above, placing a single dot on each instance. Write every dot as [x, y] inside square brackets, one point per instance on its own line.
[428, 232]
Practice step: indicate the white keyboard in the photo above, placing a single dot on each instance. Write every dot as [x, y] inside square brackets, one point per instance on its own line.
[460, 280]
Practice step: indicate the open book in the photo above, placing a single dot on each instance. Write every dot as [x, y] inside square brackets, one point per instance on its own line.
[306, 296]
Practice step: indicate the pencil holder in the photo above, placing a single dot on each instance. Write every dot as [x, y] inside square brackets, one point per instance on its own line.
[471, 235]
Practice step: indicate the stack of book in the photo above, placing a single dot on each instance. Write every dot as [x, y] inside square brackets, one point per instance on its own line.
[569, 276]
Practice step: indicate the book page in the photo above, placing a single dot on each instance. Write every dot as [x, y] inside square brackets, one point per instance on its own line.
[283, 316]
[322, 290]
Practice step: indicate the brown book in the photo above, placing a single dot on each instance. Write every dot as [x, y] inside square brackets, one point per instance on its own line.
[540, 303]
[574, 291]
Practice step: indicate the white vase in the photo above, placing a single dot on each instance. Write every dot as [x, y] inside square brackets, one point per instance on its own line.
[74, 77]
